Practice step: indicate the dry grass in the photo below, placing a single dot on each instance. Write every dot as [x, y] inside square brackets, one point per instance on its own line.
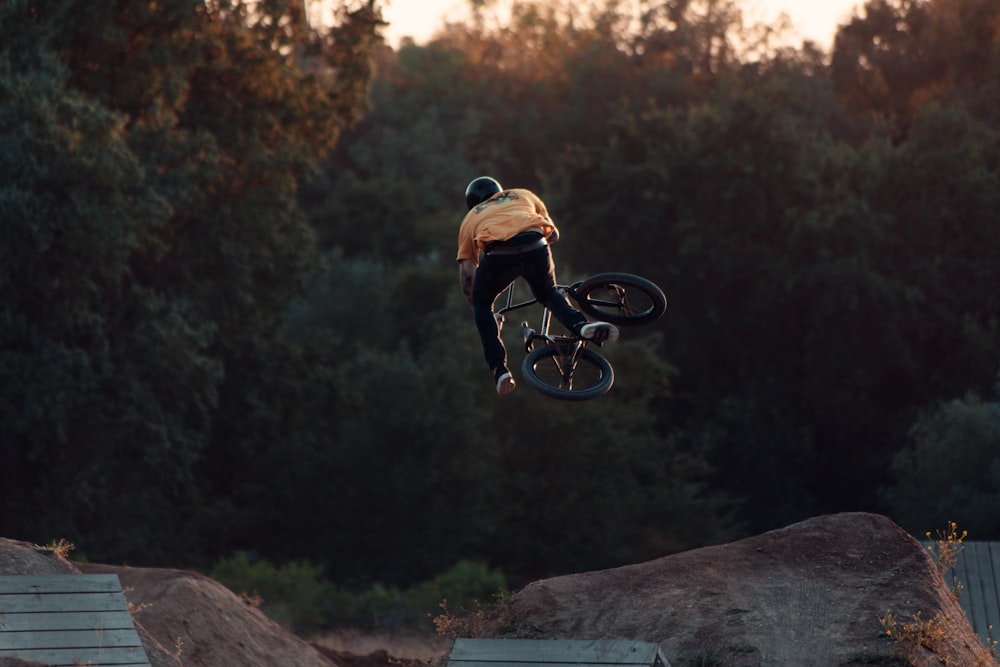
[407, 647]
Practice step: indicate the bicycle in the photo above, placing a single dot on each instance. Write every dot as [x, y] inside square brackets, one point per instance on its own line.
[566, 366]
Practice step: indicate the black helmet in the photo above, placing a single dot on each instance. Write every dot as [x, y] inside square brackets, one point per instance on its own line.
[480, 190]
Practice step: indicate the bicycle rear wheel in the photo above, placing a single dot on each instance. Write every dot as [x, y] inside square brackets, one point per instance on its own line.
[620, 298]
[557, 372]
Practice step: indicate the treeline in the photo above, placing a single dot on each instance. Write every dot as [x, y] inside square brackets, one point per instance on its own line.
[230, 315]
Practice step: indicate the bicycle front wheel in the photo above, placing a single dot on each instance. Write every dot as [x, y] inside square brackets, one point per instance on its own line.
[562, 371]
[620, 298]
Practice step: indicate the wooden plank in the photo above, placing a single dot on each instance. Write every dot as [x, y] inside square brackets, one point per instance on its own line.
[28, 603]
[80, 620]
[90, 639]
[974, 587]
[553, 651]
[959, 572]
[60, 583]
[68, 620]
[533, 663]
[987, 556]
[69, 657]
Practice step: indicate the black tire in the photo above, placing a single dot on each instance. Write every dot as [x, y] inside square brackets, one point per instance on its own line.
[546, 369]
[620, 298]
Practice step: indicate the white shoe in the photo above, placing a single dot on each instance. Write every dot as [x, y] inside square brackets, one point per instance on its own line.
[505, 384]
[599, 332]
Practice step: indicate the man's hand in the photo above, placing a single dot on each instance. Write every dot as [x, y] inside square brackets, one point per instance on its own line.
[466, 278]
[553, 236]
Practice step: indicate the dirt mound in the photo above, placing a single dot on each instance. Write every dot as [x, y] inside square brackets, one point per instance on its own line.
[809, 595]
[18, 557]
[204, 623]
[188, 620]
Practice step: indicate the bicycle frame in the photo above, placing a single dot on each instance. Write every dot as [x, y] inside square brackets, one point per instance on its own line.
[530, 334]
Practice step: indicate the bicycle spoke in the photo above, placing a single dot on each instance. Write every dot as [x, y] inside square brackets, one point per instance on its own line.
[566, 365]
[566, 371]
[569, 371]
[620, 299]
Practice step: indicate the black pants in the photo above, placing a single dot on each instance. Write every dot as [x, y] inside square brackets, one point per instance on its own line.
[495, 272]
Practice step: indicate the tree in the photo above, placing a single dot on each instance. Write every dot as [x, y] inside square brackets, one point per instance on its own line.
[166, 141]
[87, 352]
[901, 54]
[950, 470]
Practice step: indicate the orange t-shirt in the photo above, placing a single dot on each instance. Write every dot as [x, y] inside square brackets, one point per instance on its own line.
[500, 217]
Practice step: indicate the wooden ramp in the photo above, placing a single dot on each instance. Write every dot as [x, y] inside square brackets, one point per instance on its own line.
[554, 653]
[72, 619]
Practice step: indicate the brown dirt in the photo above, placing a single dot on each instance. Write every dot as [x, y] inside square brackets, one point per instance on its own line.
[809, 595]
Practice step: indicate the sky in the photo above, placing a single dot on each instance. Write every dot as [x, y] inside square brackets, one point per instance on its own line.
[812, 19]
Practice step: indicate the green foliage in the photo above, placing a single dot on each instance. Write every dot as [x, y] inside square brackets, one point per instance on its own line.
[93, 363]
[209, 342]
[152, 245]
[951, 469]
[466, 586]
[419, 451]
[292, 594]
[298, 596]
[340, 291]
[897, 55]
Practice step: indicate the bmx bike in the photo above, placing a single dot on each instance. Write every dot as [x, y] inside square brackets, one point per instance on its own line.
[568, 367]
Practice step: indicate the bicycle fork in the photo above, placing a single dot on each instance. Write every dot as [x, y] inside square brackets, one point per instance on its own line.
[567, 349]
